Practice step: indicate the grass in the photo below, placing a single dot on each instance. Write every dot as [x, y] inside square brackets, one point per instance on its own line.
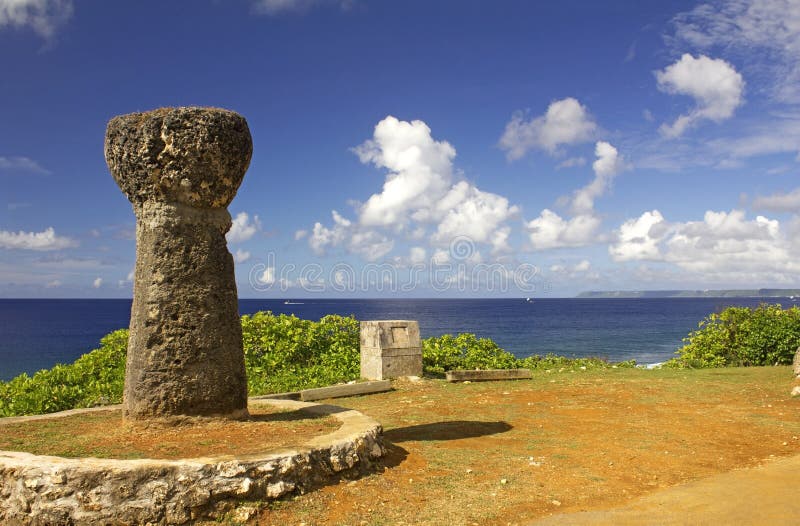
[583, 439]
[103, 434]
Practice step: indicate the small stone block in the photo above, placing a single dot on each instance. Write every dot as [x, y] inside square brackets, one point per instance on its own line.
[337, 391]
[462, 375]
[390, 349]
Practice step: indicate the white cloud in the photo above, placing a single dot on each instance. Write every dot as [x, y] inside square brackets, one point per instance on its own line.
[420, 171]
[300, 234]
[275, 7]
[242, 228]
[572, 162]
[765, 34]
[240, 256]
[582, 266]
[724, 246]
[417, 255]
[97, 283]
[714, 84]
[369, 244]
[45, 240]
[607, 165]
[268, 276]
[43, 16]
[323, 237]
[54, 284]
[638, 238]
[22, 164]
[419, 191]
[550, 230]
[780, 202]
[566, 121]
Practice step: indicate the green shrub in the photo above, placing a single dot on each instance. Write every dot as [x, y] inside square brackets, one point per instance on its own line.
[552, 361]
[285, 353]
[742, 336]
[93, 379]
[282, 353]
[465, 351]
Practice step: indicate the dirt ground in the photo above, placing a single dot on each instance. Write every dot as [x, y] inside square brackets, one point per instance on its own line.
[103, 434]
[562, 443]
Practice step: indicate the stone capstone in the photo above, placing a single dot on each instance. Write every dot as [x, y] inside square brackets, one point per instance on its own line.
[180, 168]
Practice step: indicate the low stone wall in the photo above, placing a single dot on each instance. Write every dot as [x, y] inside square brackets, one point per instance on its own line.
[44, 490]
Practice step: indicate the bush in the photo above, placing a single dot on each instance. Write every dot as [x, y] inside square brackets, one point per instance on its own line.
[285, 353]
[742, 336]
[93, 379]
[282, 353]
[465, 351]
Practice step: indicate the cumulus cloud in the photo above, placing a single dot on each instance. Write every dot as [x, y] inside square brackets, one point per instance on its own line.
[550, 230]
[420, 193]
[21, 164]
[765, 34]
[608, 164]
[45, 240]
[275, 7]
[566, 121]
[714, 84]
[780, 202]
[638, 238]
[723, 246]
[243, 228]
[43, 16]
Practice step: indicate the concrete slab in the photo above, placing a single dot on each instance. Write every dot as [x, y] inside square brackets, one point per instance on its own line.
[463, 375]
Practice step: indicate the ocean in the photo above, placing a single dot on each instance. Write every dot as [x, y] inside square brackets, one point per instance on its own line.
[37, 333]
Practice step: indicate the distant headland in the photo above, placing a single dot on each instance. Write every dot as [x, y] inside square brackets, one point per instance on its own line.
[723, 293]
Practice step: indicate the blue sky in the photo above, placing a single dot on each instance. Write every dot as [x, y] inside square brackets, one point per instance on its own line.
[418, 148]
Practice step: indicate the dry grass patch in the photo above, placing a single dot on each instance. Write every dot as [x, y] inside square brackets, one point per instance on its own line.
[103, 434]
[511, 452]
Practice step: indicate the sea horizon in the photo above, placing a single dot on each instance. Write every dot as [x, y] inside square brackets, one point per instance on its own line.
[37, 333]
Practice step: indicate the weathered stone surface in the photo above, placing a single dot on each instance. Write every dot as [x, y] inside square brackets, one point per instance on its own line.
[336, 391]
[390, 349]
[180, 168]
[796, 363]
[462, 375]
[40, 490]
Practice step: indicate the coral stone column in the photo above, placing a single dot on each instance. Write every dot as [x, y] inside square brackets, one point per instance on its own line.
[181, 168]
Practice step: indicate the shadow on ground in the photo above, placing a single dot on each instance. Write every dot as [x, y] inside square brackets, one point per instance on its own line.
[452, 430]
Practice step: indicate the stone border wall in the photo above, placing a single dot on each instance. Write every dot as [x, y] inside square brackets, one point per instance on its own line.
[43, 490]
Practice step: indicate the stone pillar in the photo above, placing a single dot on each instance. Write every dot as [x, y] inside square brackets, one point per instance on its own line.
[181, 168]
[796, 363]
[390, 349]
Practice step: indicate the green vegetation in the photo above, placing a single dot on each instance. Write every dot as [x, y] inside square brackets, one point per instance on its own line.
[93, 379]
[285, 353]
[741, 336]
[282, 353]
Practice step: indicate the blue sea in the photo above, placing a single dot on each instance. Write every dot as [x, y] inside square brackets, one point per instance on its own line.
[37, 334]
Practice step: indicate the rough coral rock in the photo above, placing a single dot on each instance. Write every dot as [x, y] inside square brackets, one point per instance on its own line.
[180, 168]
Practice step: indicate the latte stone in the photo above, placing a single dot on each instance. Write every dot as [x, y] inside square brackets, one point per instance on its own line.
[181, 168]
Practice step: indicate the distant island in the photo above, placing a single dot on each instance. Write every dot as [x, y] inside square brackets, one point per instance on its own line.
[725, 293]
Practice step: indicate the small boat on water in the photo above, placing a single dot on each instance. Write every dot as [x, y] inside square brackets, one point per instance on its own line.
[290, 302]
[528, 300]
